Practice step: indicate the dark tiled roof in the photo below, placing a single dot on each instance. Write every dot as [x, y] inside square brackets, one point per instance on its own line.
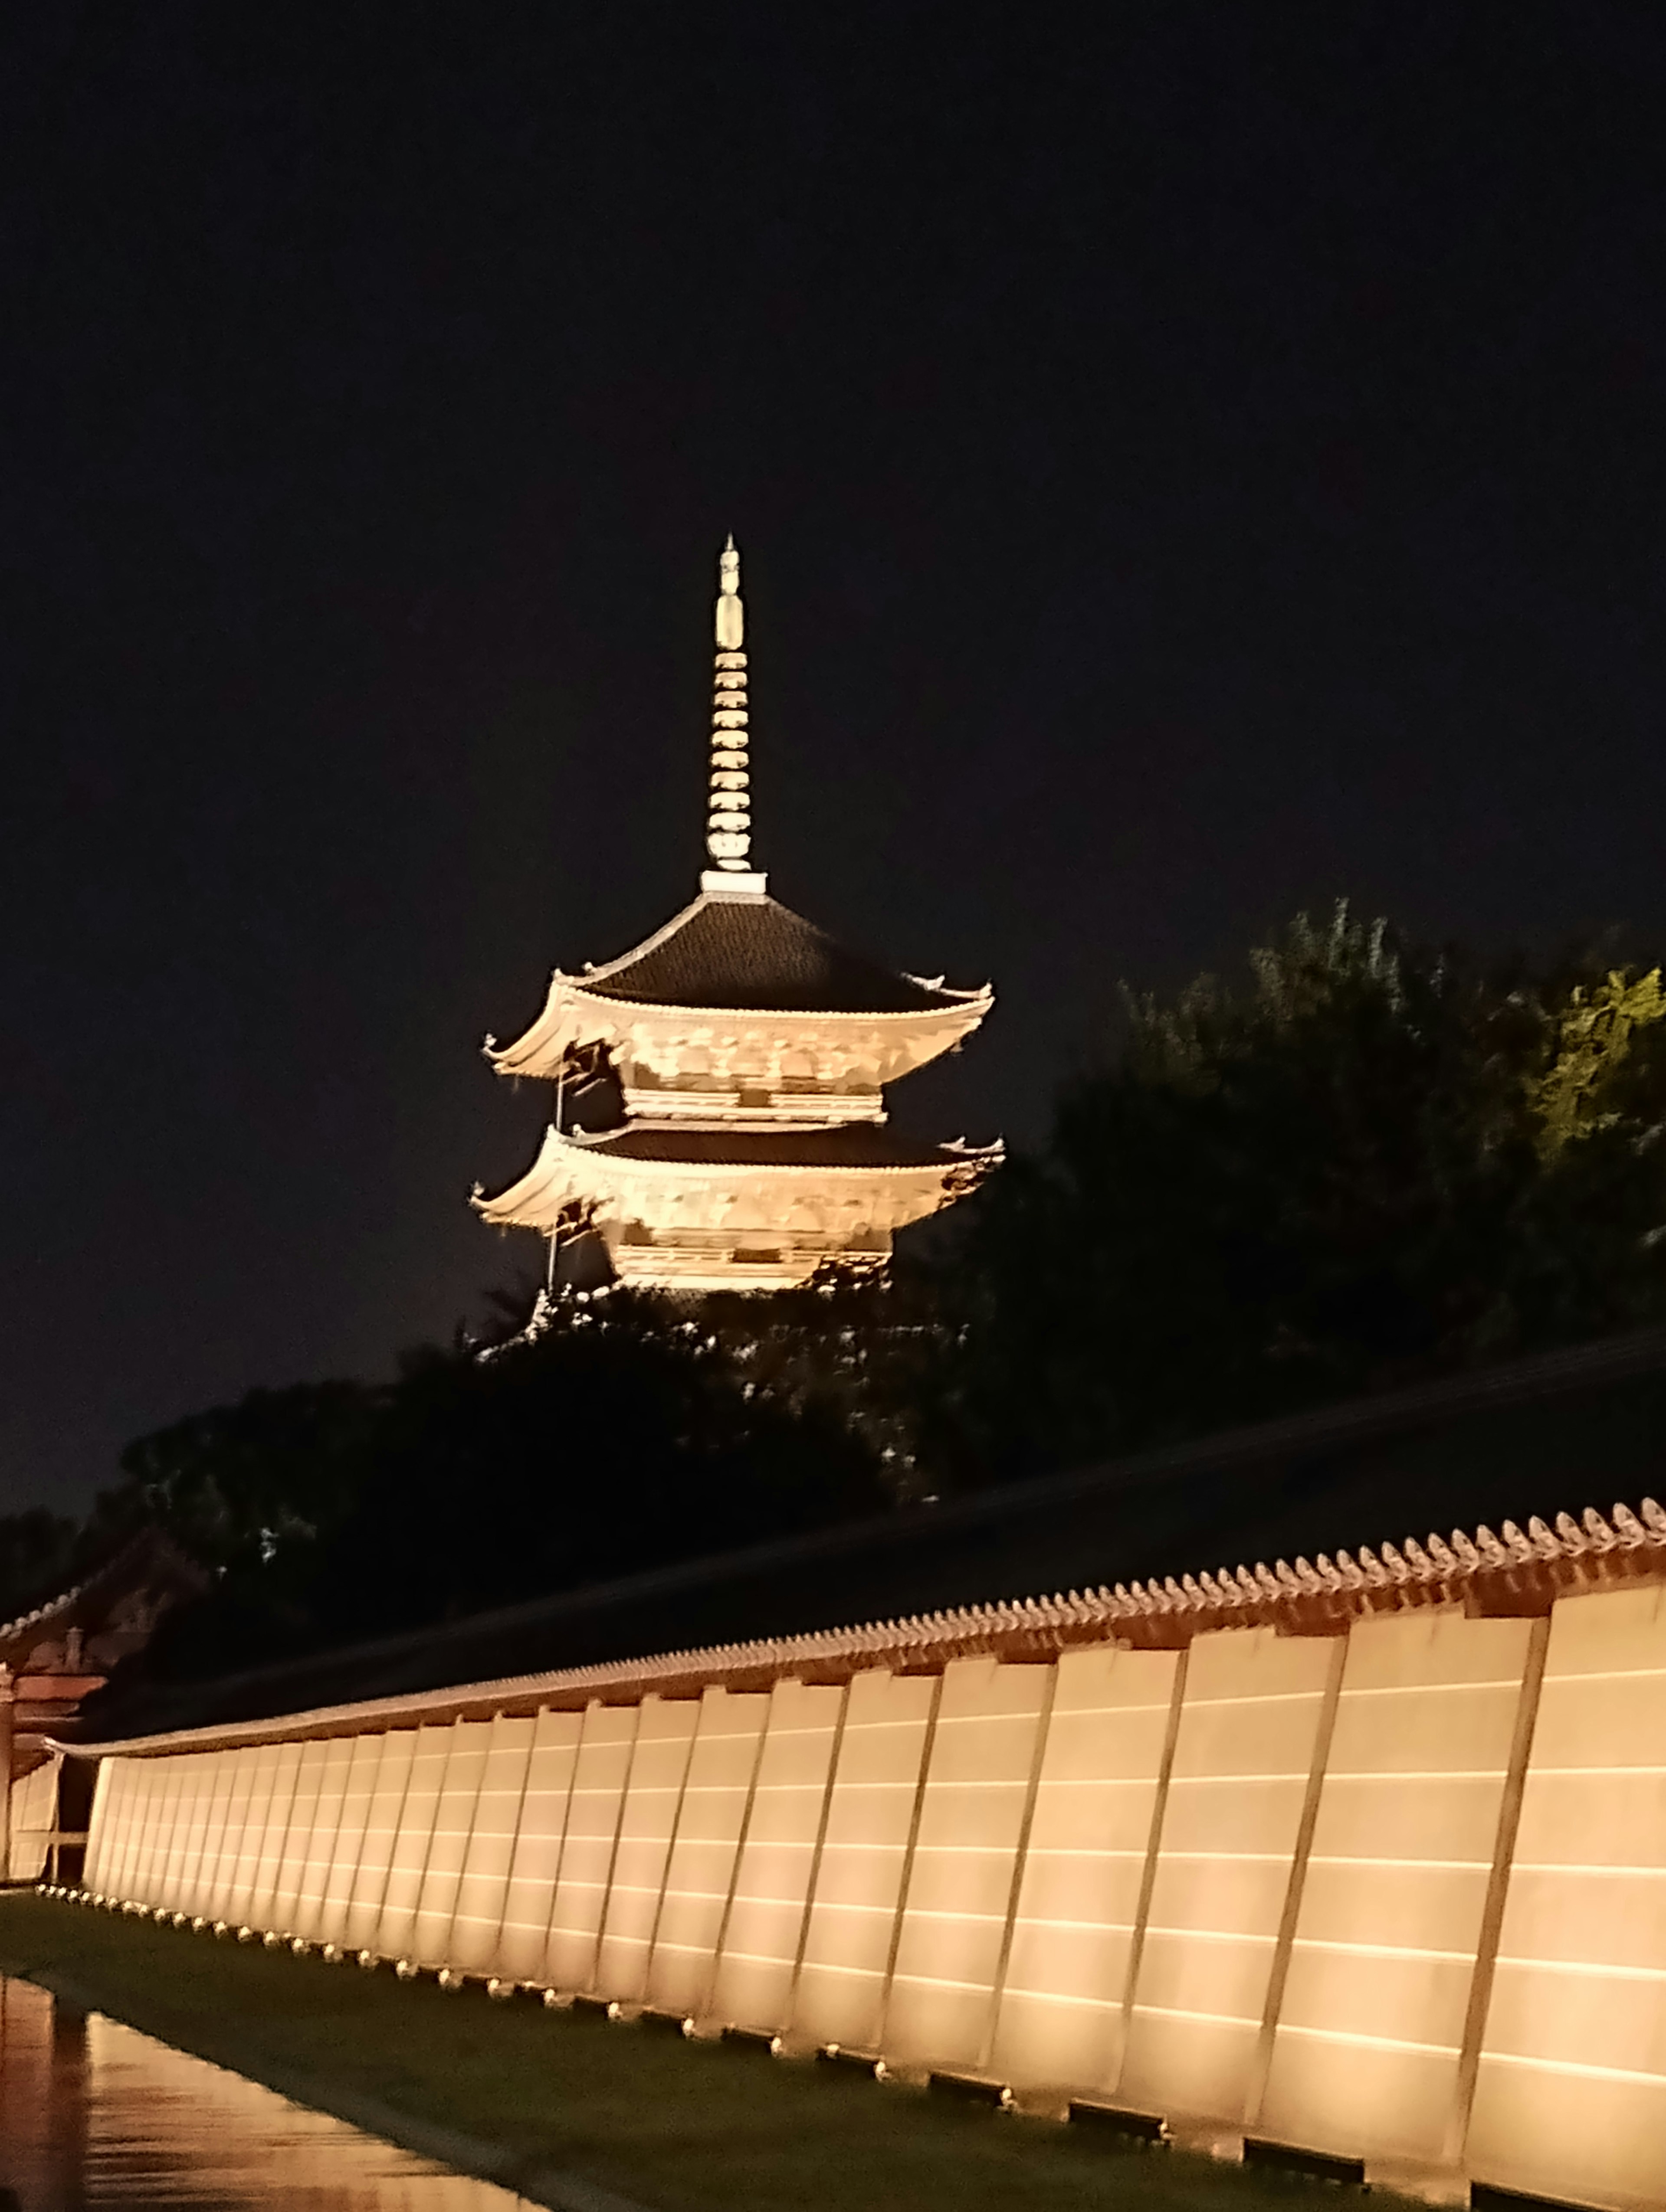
[754, 954]
[1538, 1436]
[855, 1144]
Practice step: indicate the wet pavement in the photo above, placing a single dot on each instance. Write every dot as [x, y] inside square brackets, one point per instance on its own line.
[95, 2114]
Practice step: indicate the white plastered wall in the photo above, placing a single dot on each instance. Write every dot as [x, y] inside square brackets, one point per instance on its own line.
[1397, 1897]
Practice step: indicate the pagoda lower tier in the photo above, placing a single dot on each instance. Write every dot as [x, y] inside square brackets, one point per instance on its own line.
[724, 1206]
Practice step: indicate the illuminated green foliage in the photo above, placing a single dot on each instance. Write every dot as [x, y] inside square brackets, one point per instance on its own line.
[1594, 1037]
[1355, 1172]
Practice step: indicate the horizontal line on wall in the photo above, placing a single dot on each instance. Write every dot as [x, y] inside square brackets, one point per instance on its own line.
[1512, 1682]
[1210, 2019]
[1574, 1866]
[1381, 1950]
[938, 1981]
[1064, 1998]
[1134, 1714]
[1434, 1866]
[1566, 1677]
[1358, 2040]
[1570, 2066]
[1230, 1858]
[1097, 1781]
[1583, 1773]
[1261, 1698]
[1590, 1967]
[1096, 1927]
[1208, 1935]
[1413, 1774]
[1079, 1851]
[923, 1850]
[1220, 1781]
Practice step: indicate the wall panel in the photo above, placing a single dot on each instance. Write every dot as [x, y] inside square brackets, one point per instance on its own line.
[175, 1784]
[100, 1824]
[308, 1909]
[297, 1847]
[112, 1807]
[483, 1884]
[154, 1806]
[459, 1793]
[648, 1821]
[587, 1859]
[959, 1893]
[754, 1976]
[716, 1796]
[33, 1816]
[1572, 2096]
[187, 1882]
[251, 1844]
[244, 1762]
[210, 1809]
[395, 1930]
[381, 1829]
[1250, 1729]
[869, 1825]
[139, 1811]
[540, 1834]
[263, 1901]
[169, 1853]
[1064, 2007]
[222, 1766]
[165, 1805]
[1366, 2059]
[146, 1778]
[348, 1852]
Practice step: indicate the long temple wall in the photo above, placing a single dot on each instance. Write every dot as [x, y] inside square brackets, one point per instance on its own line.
[1395, 1894]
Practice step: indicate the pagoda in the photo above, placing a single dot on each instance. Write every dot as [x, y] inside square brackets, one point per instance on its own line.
[720, 1115]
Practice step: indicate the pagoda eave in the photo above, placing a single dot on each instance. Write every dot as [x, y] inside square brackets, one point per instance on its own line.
[639, 1032]
[570, 1177]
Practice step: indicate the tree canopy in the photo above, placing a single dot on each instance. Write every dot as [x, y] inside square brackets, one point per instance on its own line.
[1376, 1163]
[621, 1435]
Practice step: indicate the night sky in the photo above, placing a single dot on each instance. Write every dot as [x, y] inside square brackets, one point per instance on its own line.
[1190, 462]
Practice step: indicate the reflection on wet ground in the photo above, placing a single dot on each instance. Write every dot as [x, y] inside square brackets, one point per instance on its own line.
[94, 2114]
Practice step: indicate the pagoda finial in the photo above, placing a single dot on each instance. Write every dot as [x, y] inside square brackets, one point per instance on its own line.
[728, 815]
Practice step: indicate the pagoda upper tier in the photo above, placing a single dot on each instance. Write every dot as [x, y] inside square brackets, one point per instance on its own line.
[739, 1009]
[720, 1090]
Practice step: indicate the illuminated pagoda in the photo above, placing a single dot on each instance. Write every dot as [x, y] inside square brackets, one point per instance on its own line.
[719, 1116]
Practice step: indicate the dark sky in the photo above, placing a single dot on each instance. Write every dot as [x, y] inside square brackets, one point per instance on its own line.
[1190, 461]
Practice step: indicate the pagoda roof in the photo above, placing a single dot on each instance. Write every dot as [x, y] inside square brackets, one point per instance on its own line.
[569, 1162]
[844, 1144]
[751, 954]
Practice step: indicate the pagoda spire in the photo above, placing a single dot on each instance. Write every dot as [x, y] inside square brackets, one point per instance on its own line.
[728, 810]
